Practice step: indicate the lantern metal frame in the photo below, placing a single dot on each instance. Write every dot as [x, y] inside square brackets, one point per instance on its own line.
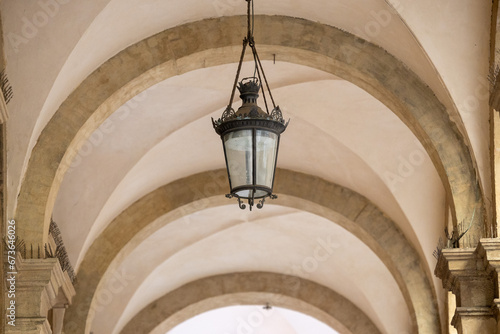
[250, 117]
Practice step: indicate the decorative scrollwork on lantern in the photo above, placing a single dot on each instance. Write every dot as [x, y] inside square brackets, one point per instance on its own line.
[276, 115]
[227, 114]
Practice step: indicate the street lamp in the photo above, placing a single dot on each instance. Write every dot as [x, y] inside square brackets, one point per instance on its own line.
[250, 136]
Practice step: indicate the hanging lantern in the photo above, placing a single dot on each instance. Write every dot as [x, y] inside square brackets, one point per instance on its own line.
[250, 136]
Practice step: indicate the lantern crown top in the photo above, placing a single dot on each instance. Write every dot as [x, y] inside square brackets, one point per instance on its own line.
[249, 90]
[249, 85]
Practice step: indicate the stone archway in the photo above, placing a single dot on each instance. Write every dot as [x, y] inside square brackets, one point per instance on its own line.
[304, 192]
[250, 288]
[188, 47]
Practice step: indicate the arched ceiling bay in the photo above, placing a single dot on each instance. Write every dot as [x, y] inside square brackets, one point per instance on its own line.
[282, 240]
[456, 37]
[165, 134]
[350, 210]
[106, 27]
[338, 132]
[276, 320]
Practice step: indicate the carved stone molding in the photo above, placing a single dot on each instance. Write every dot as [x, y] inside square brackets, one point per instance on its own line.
[472, 276]
[30, 326]
[475, 320]
[489, 251]
[456, 264]
[41, 285]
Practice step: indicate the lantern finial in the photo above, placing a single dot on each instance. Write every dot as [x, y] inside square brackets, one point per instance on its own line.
[249, 87]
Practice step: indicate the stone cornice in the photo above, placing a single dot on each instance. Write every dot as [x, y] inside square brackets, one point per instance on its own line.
[457, 263]
[29, 326]
[488, 250]
[40, 286]
[43, 280]
[471, 274]
[463, 312]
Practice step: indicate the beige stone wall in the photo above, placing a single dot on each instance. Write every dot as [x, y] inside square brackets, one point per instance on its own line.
[41, 285]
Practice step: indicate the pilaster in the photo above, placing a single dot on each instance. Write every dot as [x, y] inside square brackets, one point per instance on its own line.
[489, 251]
[41, 285]
[475, 320]
[467, 273]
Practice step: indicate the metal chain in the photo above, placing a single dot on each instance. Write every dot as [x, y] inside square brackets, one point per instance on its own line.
[265, 79]
[249, 40]
[249, 30]
[255, 57]
[245, 43]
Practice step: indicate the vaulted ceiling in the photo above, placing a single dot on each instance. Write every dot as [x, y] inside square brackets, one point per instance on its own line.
[110, 135]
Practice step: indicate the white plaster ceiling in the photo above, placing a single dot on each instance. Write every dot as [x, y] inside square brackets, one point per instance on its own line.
[325, 130]
[52, 60]
[280, 240]
[177, 140]
[253, 318]
[337, 132]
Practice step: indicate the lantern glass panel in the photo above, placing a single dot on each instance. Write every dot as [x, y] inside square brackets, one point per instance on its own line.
[267, 143]
[239, 150]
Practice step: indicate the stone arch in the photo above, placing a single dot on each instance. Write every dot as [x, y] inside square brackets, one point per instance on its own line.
[188, 47]
[304, 192]
[249, 288]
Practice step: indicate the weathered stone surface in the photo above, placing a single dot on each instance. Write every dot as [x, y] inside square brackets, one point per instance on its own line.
[249, 288]
[40, 285]
[472, 275]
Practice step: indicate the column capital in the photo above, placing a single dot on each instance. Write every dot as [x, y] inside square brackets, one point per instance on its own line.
[489, 251]
[43, 281]
[30, 326]
[466, 319]
[456, 265]
[472, 275]
[41, 285]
